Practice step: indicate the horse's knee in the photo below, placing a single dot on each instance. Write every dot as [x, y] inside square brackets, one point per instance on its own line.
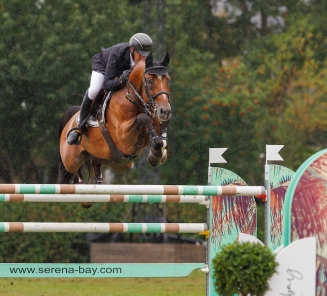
[143, 120]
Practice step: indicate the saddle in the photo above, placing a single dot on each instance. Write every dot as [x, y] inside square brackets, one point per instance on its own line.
[98, 108]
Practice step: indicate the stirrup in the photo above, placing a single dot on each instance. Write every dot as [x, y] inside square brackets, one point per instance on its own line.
[80, 134]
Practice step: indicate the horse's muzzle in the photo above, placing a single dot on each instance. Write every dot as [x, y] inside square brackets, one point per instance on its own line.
[164, 114]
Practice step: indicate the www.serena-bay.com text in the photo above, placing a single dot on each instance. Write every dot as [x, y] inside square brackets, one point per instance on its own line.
[66, 270]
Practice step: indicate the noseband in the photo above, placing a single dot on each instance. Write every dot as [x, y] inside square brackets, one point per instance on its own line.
[151, 107]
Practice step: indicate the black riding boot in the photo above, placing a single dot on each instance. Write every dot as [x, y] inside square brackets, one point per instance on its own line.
[74, 134]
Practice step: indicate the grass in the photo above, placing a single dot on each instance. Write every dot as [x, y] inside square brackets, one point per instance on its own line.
[194, 285]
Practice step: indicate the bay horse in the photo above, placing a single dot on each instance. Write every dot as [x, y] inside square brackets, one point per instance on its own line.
[137, 115]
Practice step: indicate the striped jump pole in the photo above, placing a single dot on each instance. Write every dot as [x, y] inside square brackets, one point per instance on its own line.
[103, 198]
[103, 227]
[131, 189]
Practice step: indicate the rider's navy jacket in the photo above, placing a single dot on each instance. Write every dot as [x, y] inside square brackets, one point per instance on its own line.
[112, 62]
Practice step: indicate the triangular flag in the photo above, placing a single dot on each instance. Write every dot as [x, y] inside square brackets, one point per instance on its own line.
[272, 152]
[215, 155]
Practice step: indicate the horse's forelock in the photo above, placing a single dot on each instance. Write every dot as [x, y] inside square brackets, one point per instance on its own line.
[156, 64]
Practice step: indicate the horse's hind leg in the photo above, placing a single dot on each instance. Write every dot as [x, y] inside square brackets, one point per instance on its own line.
[97, 173]
[80, 177]
[64, 177]
[98, 180]
[85, 205]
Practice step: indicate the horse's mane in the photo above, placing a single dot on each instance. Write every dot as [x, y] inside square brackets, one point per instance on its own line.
[139, 66]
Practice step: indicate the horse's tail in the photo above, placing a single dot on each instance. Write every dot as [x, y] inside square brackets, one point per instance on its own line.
[65, 177]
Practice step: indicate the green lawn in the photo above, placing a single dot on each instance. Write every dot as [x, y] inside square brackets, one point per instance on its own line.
[193, 285]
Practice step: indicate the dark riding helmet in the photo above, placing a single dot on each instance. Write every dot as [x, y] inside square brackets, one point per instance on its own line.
[142, 43]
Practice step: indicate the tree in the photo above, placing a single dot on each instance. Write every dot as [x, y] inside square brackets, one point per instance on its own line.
[46, 53]
[243, 268]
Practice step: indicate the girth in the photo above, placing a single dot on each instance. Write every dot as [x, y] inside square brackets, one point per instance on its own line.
[116, 154]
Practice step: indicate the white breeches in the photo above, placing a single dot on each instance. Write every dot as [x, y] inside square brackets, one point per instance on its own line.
[96, 83]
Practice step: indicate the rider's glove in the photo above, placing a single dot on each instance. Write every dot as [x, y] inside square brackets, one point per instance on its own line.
[124, 77]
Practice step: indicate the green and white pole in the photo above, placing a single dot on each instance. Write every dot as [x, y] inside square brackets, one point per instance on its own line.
[103, 227]
[130, 189]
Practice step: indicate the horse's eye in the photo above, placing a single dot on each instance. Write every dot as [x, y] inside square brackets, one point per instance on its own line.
[149, 81]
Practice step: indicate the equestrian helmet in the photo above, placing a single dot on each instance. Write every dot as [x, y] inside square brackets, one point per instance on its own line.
[142, 43]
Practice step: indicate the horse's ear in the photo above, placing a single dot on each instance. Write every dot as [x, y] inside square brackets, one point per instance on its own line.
[149, 60]
[165, 61]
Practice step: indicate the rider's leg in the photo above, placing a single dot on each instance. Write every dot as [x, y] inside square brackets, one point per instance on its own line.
[73, 136]
[96, 83]
[95, 86]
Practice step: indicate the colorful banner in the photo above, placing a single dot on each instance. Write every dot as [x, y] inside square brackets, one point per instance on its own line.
[229, 215]
[279, 179]
[306, 212]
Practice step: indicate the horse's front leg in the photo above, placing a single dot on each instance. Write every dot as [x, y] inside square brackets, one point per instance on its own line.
[164, 137]
[155, 154]
[144, 120]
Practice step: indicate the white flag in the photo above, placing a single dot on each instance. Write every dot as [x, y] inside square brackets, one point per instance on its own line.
[272, 152]
[215, 155]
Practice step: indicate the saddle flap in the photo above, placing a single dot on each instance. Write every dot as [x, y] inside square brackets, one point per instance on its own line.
[98, 109]
[99, 105]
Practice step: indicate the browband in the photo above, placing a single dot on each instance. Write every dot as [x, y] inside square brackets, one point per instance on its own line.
[157, 70]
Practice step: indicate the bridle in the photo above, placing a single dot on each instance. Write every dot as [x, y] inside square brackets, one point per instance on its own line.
[148, 108]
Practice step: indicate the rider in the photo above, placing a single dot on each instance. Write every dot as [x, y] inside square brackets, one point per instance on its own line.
[110, 71]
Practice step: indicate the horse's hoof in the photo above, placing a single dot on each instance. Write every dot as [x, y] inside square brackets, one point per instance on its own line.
[164, 157]
[157, 144]
[154, 161]
[86, 205]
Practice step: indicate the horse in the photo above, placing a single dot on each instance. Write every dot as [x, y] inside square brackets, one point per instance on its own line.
[137, 116]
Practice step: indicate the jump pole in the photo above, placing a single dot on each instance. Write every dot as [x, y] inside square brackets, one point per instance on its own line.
[131, 189]
[112, 193]
[199, 199]
[103, 227]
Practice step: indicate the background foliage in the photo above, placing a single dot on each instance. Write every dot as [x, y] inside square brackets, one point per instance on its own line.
[243, 75]
[243, 269]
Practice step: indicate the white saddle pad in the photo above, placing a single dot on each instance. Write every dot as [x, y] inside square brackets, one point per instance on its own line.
[90, 122]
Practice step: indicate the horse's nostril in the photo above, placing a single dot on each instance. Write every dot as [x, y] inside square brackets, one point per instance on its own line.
[164, 112]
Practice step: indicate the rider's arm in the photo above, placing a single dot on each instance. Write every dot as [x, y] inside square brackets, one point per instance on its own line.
[112, 74]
